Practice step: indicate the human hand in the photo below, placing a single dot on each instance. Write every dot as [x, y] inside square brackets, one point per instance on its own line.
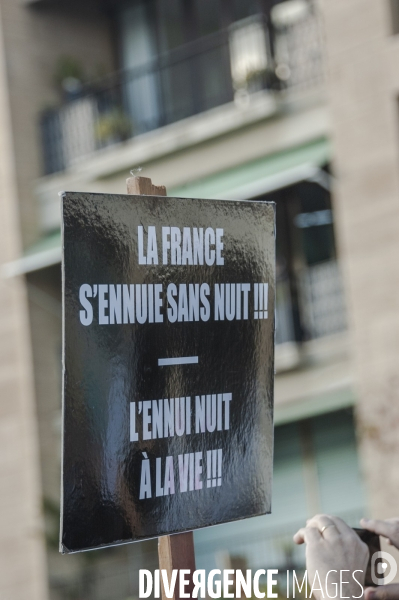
[383, 592]
[336, 554]
[388, 528]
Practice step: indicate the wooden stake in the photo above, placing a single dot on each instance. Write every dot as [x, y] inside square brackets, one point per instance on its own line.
[174, 551]
[177, 552]
[144, 186]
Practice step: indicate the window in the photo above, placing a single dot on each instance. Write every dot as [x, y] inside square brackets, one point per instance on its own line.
[241, 9]
[394, 6]
[208, 16]
[172, 29]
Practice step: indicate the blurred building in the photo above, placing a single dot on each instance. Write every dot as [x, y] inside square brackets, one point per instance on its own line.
[293, 101]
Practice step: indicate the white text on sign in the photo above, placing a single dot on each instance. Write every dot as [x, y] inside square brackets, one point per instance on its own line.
[117, 304]
[181, 475]
[173, 416]
[187, 246]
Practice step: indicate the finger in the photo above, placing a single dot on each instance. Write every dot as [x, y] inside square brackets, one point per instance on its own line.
[316, 518]
[312, 535]
[383, 592]
[378, 526]
[325, 525]
[319, 521]
[307, 535]
[330, 533]
[299, 537]
[341, 526]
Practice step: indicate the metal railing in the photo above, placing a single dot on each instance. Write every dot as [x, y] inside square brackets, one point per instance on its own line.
[229, 65]
[321, 303]
[322, 300]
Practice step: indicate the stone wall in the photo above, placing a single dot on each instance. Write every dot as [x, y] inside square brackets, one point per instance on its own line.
[22, 551]
[363, 89]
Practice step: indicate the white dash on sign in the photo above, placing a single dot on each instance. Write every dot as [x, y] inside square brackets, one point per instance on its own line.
[180, 360]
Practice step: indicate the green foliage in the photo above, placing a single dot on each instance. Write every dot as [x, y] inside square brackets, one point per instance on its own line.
[113, 126]
[67, 67]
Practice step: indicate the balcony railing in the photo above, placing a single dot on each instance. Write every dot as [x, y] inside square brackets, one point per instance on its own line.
[321, 304]
[322, 300]
[229, 65]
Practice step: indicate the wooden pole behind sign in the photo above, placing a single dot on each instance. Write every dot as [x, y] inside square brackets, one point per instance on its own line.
[174, 551]
[144, 186]
[177, 552]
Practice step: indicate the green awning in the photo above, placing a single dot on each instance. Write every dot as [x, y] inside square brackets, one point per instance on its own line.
[49, 242]
[305, 408]
[249, 180]
[45, 253]
[262, 175]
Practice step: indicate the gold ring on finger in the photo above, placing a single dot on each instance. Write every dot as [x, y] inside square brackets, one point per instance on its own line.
[325, 527]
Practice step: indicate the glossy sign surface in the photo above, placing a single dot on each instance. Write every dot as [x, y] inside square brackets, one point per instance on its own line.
[168, 365]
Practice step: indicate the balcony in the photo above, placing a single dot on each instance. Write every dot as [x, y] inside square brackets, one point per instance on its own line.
[321, 314]
[230, 66]
[322, 305]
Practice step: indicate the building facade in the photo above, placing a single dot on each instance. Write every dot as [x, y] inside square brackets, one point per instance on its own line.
[293, 101]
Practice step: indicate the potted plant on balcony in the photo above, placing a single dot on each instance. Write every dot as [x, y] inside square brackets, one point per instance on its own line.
[255, 80]
[69, 77]
[112, 127]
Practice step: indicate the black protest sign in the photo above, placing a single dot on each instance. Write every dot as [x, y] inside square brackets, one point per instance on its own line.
[168, 365]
